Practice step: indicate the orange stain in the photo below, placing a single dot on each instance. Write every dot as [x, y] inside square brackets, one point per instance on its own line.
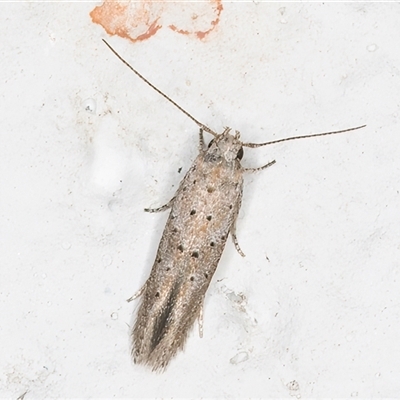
[153, 28]
[140, 20]
[201, 34]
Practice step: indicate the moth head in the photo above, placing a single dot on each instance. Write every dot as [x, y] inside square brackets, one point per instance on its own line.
[227, 146]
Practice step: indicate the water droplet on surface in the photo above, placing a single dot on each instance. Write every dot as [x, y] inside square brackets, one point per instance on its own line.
[107, 260]
[66, 245]
[89, 105]
[114, 316]
[240, 357]
[349, 338]
[293, 386]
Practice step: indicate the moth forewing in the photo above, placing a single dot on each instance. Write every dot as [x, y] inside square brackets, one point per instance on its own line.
[202, 214]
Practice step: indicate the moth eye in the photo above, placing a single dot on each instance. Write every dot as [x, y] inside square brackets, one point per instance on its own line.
[239, 155]
[209, 144]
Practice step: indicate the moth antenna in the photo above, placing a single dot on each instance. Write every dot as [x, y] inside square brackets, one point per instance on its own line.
[202, 126]
[253, 145]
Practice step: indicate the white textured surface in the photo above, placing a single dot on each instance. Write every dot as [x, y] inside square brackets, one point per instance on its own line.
[314, 308]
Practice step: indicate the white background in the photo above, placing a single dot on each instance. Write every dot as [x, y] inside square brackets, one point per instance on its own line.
[313, 309]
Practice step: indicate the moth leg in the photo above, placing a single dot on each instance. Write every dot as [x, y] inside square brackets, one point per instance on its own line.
[259, 168]
[138, 293]
[200, 318]
[235, 241]
[202, 146]
[162, 208]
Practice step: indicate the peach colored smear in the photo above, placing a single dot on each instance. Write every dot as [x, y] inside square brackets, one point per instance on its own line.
[139, 20]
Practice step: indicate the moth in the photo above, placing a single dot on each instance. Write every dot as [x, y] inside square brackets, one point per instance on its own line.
[203, 213]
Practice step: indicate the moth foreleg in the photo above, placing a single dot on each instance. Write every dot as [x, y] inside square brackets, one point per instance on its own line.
[235, 241]
[162, 208]
[202, 146]
[259, 168]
